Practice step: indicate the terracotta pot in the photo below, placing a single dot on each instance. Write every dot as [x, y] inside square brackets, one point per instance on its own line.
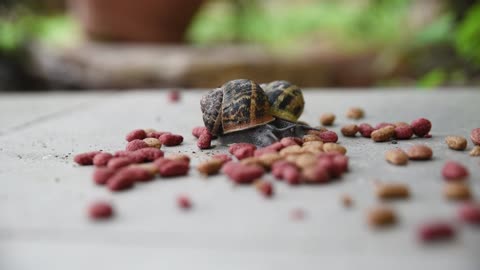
[140, 20]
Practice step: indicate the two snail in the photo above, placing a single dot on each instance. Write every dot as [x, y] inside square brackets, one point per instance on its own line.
[243, 111]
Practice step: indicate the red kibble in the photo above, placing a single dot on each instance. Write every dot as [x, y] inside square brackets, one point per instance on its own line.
[147, 154]
[262, 151]
[292, 175]
[278, 167]
[244, 152]
[366, 130]
[116, 163]
[137, 134]
[197, 131]
[316, 174]
[475, 136]
[223, 157]
[173, 96]
[242, 174]
[435, 231]
[122, 153]
[184, 202]
[136, 174]
[172, 168]
[171, 139]
[403, 132]
[85, 158]
[328, 136]
[289, 141]
[100, 210]
[469, 213]
[265, 188]
[329, 165]
[383, 124]
[421, 127]
[101, 175]
[102, 159]
[234, 147]
[204, 141]
[341, 162]
[156, 134]
[454, 171]
[135, 145]
[120, 181]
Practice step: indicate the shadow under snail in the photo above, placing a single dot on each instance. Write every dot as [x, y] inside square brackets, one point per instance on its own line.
[241, 111]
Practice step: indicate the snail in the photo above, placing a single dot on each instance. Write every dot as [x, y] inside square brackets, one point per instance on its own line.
[241, 111]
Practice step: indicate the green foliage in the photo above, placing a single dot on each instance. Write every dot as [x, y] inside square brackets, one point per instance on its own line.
[434, 78]
[467, 38]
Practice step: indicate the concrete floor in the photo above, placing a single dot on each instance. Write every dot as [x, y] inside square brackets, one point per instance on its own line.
[43, 224]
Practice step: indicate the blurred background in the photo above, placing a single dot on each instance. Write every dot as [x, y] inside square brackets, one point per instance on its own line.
[122, 44]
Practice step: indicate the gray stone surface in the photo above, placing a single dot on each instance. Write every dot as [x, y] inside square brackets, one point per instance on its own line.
[44, 196]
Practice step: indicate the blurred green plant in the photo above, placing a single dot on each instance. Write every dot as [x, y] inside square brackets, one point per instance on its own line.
[467, 36]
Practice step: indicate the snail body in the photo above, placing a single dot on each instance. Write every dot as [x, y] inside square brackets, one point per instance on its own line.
[241, 111]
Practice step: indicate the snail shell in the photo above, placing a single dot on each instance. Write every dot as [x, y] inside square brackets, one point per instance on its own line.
[286, 100]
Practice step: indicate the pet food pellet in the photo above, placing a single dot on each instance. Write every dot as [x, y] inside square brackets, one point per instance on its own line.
[434, 231]
[156, 134]
[85, 158]
[396, 157]
[311, 138]
[327, 119]
[204, 141]
[173, 168]
[457, 191]
[315, 174]
[148, 154]
[419, 152]
[469, 213]
[456, 142]
[197, 131]
[421, 127]
[101, 159]
[291, 150]
[475, 152]
[383, 134]
[365, 130]
[265, 188]
[101, 175]
[153, 142]
[454, 171]
[135, 145]
[268, 159]
[328, 136]
[119, 182]
[384, 124]
[355, 113]
[403, 132]
[184, 202]
[100, 210]
[349, 130]
[116, 163]
[137, 134]
[173, 96]
[234, 147]
[210, 167]
[381, 216]
[334, 147]
[171, 139]
[346, 200]
[392, 191]
[289, 141]
[475, 136]
[223, 157]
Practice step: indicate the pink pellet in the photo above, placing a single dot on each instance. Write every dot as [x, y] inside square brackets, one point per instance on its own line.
[122, 153]
[265, 188]
[120, 181]
[156, 134]
[277, 146]
[173, 168]
[403, 132]
[262, 151]
[469, 213]
[237, 146]
[116, 163]
[173, 96]
[100, 210]
[329, 166]
[475, 136]
[341, 162]
[297, 214]
[435, 231]
[292, 175]
[383, 124]
[278, 167]
[365, 130]
[197, 131]
[101, 159]
[289, 141]
[135, 174]
[223, 157]
[137, 134]
[205, 141]
[421, 127]
[85, 158]
[453, 171]
[242, 174]
[184, 202]
[328, 136]
[171, 139]
[243, 153]
[316, 174]
[135, 145]
[147, 154]
[101, 175]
